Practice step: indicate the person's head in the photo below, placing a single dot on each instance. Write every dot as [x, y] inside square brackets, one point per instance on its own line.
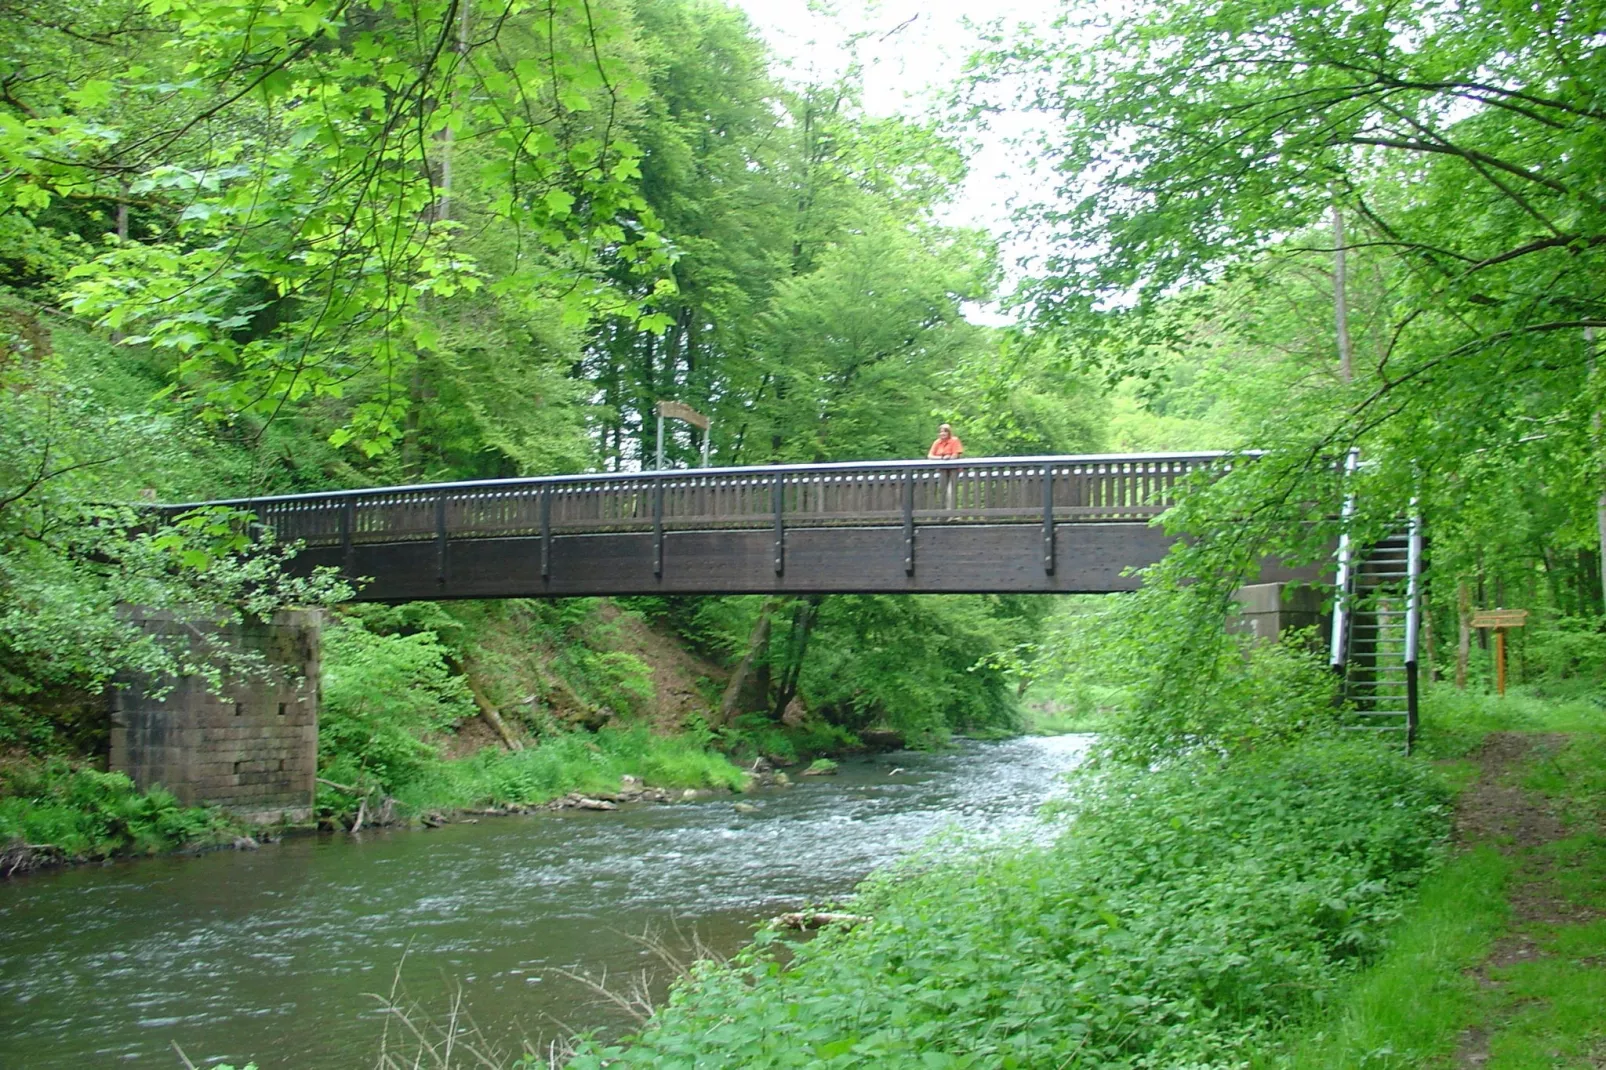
[945, 431]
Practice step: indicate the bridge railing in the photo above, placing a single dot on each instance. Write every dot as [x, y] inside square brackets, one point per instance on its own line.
[1095, 488]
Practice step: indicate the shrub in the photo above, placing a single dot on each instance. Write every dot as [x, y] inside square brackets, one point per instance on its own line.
[1179, 913]
[571, 762]
[382, 696]
[91, 814]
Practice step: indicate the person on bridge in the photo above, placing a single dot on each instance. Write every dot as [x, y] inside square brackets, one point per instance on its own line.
[946, 448]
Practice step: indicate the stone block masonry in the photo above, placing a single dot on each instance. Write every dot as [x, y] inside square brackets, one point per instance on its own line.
[251, 748]
[1267, 610]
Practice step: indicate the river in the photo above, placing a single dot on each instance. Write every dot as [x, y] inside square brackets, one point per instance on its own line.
[275, 955]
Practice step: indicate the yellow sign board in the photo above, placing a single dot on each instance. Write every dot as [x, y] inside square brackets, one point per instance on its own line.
[1500, 618]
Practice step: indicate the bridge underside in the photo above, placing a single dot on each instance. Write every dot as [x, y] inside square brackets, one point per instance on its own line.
[945, 559]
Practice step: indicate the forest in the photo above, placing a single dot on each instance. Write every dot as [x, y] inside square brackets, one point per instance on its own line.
[286, 245]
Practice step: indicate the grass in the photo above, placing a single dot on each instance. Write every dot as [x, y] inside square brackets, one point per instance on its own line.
[1415, 1002]
[575, 762]
[1501, 961]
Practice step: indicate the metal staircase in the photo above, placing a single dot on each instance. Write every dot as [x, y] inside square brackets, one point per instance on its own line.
[1375, 622]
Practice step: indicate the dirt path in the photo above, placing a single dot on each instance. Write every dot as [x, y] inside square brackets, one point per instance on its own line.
[1525, 825]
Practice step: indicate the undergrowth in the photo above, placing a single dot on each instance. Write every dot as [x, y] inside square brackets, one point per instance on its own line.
[83, 813]
[1179, 914]
[570, 762]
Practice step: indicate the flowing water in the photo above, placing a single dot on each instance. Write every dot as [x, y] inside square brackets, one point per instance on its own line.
[275, 955]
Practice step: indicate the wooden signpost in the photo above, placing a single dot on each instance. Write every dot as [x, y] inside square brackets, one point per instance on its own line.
[674, 410]
[1500, 620]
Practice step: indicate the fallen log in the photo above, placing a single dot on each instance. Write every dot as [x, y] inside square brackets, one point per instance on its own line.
[817, 919]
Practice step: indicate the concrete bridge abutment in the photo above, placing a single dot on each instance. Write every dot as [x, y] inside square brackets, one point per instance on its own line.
[1269, 610]
[252, 747]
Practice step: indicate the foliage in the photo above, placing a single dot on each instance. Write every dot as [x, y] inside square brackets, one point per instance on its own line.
[383, 698]
[389, 700]
[294, 163]
[1447, 987]
[89, 814]
[916, 664]
[1392, 1016]
[570, 762]
[1180, 913]
[1570, 647]
[755, 735]
[1205, 163]
[1172, 679]
[73, 550]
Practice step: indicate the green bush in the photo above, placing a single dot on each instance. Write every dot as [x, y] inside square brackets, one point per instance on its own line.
[383, 695]
[1180, 913]
[570, 762]
[756, 735]
[1568, 648]
[90, 814]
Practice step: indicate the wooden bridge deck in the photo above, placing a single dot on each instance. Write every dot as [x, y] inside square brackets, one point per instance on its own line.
[1014, 524]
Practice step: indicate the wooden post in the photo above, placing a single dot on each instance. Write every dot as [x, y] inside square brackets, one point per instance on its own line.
[1498, 620]
[1048, 518]
[546, 532]
[348, 523]
[908, 524]
[778, 494]
[658, 526]
[1500, 661]
[440, 538]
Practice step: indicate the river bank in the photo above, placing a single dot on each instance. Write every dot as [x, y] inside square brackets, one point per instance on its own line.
[272, 955]
[54, 812]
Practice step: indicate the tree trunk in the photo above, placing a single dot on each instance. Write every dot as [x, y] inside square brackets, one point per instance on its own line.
[758, 641]
[493, 717]
[1600, 500]
[802, 623]
[1463, 649]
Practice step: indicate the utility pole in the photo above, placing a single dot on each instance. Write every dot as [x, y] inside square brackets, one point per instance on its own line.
[1346, 351]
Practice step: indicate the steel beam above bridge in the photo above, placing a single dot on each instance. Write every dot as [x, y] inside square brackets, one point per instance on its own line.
[1004, 525]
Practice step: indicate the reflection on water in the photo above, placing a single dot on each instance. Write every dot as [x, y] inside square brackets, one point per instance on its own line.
[273, 955]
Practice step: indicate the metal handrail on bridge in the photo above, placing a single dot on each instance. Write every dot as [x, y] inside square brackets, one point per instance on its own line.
[1056, 489]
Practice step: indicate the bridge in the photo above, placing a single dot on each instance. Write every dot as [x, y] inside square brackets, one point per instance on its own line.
[1071, 524]
[992, 525]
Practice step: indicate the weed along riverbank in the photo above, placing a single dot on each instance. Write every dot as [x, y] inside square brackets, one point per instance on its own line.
[274, 955]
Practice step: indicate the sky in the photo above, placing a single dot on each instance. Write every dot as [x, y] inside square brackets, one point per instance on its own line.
[914, 49]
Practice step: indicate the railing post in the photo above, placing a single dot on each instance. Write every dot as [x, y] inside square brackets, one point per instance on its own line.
[546, 531]
[440, 538]
[658, 526]
[1048, 518]
[778, 494]
[348, 523]
[908, 524]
